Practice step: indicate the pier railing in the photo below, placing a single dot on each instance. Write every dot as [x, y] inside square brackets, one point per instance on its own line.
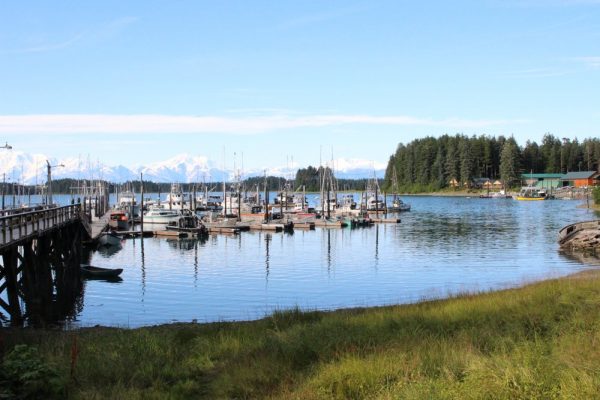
[17, 226]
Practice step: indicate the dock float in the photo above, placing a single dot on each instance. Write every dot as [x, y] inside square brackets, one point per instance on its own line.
[386, 220]
[170, 234]
[223, 229]
[330, 224]
[267, 227]
[304, 225]
[133, 234]
[243, 226]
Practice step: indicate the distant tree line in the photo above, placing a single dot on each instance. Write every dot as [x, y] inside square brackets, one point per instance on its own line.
[310, 178]
[431, 164]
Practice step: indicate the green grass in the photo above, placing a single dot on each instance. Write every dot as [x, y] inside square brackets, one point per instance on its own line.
[541, 341]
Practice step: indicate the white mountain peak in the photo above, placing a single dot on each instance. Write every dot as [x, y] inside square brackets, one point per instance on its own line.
[30, 169]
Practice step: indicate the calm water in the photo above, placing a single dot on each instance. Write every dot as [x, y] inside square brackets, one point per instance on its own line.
[443, 246]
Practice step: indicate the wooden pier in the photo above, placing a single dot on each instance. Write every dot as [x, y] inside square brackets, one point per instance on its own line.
[40, 252]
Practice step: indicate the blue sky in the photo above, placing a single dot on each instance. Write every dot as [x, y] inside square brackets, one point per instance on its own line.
[140, 81]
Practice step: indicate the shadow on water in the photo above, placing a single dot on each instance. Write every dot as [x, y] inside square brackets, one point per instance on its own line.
[67, 299]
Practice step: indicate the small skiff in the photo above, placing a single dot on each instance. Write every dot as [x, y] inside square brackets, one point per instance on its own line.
[98, 272]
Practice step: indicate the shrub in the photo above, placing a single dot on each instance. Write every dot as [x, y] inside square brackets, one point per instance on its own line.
[24, 375]
[596, 194]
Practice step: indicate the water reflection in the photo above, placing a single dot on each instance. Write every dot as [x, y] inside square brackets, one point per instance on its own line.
[109, 251]
[268, 238]
[584, 257]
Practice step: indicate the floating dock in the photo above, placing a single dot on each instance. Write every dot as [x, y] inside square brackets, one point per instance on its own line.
[386, 220]
[172, 234]
[223, 229]
[267, 227]
[132, 234]
[304, 225]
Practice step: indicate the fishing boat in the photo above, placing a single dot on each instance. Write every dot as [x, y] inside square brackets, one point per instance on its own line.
[188, 224]
[176, 199]
[99, 272]
[128, 202]
[374, 203]
[160, 215]
[109, 239]
[398, 206]
[531, 193]
[119, 220]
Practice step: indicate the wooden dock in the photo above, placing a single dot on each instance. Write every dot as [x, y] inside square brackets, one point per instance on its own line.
[323, 223]
[223, 229]
[97, 226]
[133, 234]
[386, 220]
[267, 227]
[171, 234]
[304, 225]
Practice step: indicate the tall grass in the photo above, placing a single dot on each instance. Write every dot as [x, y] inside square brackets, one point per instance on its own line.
[541, 341]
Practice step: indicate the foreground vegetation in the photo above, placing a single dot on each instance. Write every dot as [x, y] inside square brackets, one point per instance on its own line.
[536, 342]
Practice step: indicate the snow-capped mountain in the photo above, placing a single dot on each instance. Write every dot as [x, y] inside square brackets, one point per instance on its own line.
[32, 168]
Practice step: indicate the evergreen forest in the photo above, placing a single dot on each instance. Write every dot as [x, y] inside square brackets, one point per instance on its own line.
[431, 164]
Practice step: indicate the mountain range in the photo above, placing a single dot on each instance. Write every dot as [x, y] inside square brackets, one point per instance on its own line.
[18, 166]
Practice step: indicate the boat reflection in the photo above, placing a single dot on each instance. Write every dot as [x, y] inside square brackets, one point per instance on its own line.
[109, 251]
[185, 243]
[587, 258]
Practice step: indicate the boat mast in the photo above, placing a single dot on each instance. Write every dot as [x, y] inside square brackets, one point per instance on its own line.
[266, 199]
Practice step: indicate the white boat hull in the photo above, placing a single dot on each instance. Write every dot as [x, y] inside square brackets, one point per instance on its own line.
[161, 220]
[109, 239]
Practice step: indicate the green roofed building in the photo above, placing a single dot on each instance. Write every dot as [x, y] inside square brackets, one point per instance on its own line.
[546, 181]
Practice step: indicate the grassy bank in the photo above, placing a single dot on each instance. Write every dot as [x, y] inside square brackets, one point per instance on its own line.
[540, 341]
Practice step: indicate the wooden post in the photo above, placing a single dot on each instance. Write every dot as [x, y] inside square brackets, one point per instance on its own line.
[141, 204]
[239, 198]
[10, 261]
[385, 204]
[266, 200]
[328, 204]
[376, 203]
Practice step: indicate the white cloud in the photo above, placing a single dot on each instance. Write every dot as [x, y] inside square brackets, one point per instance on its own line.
[104, 32]
[52, 46]
[153, 123]
[591, 62]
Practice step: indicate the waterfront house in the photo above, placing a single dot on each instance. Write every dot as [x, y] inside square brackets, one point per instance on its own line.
[484, 183]
[581, 179]
[543, 181]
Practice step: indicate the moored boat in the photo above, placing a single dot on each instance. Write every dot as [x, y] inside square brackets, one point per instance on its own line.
[109, 239]
[118, 219]
[398, 206]
[531, 193]
[99, 272]
[188, 224]
[159, 215]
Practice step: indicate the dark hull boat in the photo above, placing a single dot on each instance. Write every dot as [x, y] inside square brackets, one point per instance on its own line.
[89, 271]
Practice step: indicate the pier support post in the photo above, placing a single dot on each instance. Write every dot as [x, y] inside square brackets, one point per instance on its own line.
[10, 260]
